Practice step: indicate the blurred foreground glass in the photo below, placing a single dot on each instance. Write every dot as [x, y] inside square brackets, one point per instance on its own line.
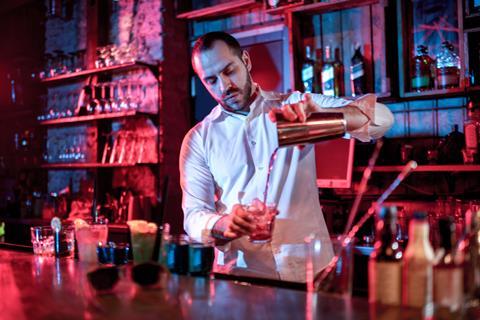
[143, 235]
[89, 235]
[43, 241]
[336, 276]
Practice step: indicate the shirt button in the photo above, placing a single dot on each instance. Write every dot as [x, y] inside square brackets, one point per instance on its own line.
[253, 143]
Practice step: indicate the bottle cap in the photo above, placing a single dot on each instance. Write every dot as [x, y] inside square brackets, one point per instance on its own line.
[419, 215]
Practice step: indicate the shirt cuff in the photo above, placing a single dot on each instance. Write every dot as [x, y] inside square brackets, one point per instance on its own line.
[366, 105]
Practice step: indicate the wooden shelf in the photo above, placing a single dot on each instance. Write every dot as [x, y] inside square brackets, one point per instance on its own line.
[92, 165]
[95, 117]
[220, 9]
[284, 9]
[327, 6]
[89, 72]
[426, 168]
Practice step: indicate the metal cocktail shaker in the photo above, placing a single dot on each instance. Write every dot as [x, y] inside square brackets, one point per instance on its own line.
[318, 127]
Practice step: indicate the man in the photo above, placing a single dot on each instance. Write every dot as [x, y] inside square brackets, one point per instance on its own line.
[224, 161]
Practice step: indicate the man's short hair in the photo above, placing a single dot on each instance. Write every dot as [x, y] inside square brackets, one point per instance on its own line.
[206, 42]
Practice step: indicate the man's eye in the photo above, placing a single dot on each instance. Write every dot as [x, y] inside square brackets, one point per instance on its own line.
[211, 81]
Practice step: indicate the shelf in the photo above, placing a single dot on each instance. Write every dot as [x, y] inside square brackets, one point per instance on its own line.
[426, 168]
[434, 93]
[284, 9]
[220, 9]
[327, 6]
[92, 165]
[95, 117]
[89, 72]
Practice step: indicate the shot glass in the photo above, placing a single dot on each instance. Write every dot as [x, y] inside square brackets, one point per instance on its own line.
[88, 236]
[143, 235]
[264, 218]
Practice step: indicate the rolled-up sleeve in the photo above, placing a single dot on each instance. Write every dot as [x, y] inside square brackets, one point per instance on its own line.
[198, 187]
[380, 118]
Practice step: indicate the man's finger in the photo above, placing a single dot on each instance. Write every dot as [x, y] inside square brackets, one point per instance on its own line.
[243, 223]
[310, 105]
[299, 109]
[272, 114]
[288, 113]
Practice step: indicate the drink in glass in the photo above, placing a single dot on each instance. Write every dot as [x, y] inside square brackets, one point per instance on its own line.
[264, 218]
[44, 244]
[143, 235]
[88, 236]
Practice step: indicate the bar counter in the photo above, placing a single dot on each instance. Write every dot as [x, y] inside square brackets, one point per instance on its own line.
[34, 287]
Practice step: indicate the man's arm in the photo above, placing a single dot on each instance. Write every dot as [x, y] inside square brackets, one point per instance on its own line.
[198, 203]
[366, 119]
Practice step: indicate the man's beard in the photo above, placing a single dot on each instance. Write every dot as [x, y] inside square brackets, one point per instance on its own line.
[242, 105]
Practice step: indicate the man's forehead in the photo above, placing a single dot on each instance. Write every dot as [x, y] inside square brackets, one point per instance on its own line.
[216, 57]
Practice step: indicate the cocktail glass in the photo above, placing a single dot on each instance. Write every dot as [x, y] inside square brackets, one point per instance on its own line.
[143, 235]
[88, 236]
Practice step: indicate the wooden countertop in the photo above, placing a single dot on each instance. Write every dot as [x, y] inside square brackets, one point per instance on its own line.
[44, 288]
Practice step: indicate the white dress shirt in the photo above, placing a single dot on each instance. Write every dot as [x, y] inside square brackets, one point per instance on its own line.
[224, 161]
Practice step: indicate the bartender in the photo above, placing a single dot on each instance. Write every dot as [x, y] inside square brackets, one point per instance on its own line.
[225, 158]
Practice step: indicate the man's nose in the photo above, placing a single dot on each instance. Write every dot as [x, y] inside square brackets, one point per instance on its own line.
[225, 84]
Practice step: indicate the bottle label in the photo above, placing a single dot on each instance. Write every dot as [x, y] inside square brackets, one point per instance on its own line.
[327, 82]
[471, 136]
[420, 82]
[417, 283]
[448, 287]
[356, 71]
[385, 282]
[307, 78]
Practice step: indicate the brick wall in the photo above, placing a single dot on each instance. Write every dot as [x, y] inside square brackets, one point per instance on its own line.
[150, 24]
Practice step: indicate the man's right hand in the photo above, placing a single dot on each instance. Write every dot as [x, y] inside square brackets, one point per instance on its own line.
[236, 224]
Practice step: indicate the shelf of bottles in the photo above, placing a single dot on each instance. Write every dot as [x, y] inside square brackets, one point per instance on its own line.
[342, 53]
[434, 61]
[312, 6]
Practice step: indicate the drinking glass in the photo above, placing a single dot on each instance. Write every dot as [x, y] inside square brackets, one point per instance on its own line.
[44, 244]
[143, 235]
[264, 218]
[329, 265]
[89, 235]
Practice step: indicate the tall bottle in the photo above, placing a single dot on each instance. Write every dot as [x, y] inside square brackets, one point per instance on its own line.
[339, 75]
[471, 254]
[418, 264]
[448, 67]
[421, 72]
[318, 70]
[385, 263]
[308, 71]
[471, 128]
[447, 272]
[357, 72]
[328, 74]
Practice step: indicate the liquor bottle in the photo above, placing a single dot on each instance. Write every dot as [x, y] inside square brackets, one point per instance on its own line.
[447, 272]
[385, 263]
[328, 74]
[318, 71]
[421, 71]
[471, 128]
[307, 71]
[339, 75]
[417, 264]
[357, 73]
[448, 67]
[470, 246]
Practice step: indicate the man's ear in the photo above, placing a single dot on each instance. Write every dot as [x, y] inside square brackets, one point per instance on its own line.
[246, 60]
